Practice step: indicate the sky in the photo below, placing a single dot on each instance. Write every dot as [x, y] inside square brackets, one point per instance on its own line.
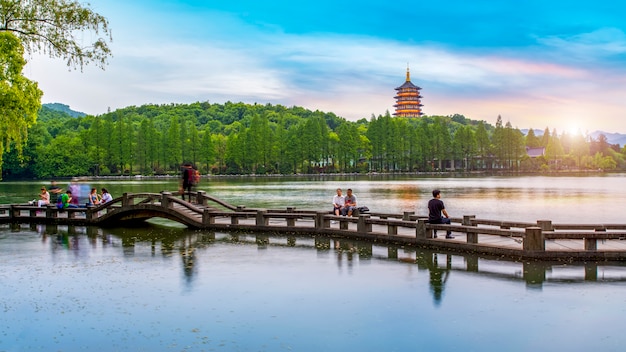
[538, 64]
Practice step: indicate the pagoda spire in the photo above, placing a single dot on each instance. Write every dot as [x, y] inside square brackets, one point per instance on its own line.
[408, 73]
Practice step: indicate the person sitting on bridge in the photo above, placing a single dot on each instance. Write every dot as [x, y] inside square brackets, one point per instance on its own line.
[44, 197]
[66, 200]
[350, 203]
[435, 209]
[94, 197]
[338, 202]
[106, 196]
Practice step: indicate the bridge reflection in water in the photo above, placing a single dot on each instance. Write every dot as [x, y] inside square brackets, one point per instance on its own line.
[165, 242]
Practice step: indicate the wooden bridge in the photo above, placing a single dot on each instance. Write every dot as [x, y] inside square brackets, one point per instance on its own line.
[540, 240]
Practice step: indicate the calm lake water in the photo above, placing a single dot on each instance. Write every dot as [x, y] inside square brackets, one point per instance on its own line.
[166, 288]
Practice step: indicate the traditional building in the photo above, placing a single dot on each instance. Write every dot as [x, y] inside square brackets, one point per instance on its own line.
[408, 97]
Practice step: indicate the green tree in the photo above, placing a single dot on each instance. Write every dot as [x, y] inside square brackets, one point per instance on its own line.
[532, 140]
[442, 142]
[465, 145]
[207, 149]
[56, 28]
[20, 98]
[554, 150]
[483, 145]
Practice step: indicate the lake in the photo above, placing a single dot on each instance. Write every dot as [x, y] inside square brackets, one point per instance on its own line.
[166, 288]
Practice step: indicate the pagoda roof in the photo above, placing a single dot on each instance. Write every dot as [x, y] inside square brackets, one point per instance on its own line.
[408, 84]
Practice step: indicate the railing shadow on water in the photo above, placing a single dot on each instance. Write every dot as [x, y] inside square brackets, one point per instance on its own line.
[163, 242]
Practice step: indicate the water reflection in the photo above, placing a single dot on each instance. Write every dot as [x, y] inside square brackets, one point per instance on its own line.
[438, 275]
[190, 246]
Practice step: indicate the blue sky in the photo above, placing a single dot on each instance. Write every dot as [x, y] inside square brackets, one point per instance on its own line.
[538, 64]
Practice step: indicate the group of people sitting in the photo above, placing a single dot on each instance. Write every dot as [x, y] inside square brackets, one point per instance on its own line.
[344, 205]
[66, 200]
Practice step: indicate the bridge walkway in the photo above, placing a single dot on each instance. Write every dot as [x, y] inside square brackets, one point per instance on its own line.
[534, 240]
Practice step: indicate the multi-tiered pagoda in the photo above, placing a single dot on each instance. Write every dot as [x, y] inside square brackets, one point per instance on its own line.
[408, 102]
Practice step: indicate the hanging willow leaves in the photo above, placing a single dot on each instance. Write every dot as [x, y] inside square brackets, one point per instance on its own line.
[58, 29]
[20, 98]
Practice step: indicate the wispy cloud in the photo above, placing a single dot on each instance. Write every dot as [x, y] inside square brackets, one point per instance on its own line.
[600, 43]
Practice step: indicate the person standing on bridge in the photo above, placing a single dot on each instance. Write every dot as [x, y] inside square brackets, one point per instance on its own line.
[435, 211]
[55, 191]
[186, 181]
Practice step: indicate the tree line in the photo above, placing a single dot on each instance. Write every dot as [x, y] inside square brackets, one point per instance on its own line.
[238, 138]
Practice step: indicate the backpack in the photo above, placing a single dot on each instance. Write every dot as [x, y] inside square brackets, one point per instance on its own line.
[60, 202]
[189, 176]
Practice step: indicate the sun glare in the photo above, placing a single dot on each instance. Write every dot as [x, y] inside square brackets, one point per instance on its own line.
[573, 130]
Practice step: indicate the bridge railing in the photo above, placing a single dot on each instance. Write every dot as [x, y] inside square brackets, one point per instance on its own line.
[407, 227]
[527, 237]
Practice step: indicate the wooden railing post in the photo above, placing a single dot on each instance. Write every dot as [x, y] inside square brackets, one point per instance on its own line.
[591, 244]
[89, 214]
[126, 200]
[234, 219]
[392, 229]
[14, 213]
[406, 216]
[534, 239]
[291, 222]
[421, 232]
[343, 223]
[363, 226]
[472, 237]
[320, 220]
[207, 217]
[261, 219]
[51, 211]
[165, 200]
[545, 225]
[201, 198]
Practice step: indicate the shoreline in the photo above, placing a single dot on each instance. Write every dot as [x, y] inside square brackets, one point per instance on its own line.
[369, 174]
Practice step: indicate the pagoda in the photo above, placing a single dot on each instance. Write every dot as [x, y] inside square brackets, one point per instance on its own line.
[408, 102]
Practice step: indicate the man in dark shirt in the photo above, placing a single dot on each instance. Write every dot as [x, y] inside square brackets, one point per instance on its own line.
[435, 209]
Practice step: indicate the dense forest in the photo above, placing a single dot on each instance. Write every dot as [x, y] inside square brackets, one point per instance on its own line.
[238, 138]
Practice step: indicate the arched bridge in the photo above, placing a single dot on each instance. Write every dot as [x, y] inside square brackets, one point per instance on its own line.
[143, 206]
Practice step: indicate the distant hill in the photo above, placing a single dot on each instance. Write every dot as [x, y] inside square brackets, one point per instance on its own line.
[65, 109]
[612, 138]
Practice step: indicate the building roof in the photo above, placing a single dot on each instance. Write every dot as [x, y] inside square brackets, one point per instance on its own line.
[535, 152]
[408, 84]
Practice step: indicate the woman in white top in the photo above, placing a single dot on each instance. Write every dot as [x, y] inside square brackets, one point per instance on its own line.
[44, 197]
[106, 196]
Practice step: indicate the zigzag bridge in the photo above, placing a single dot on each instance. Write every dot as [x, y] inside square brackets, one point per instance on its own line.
[541, 240]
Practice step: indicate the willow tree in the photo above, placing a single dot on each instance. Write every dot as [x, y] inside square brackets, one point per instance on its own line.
[55, 28]
[20, 98]
[51, 27]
